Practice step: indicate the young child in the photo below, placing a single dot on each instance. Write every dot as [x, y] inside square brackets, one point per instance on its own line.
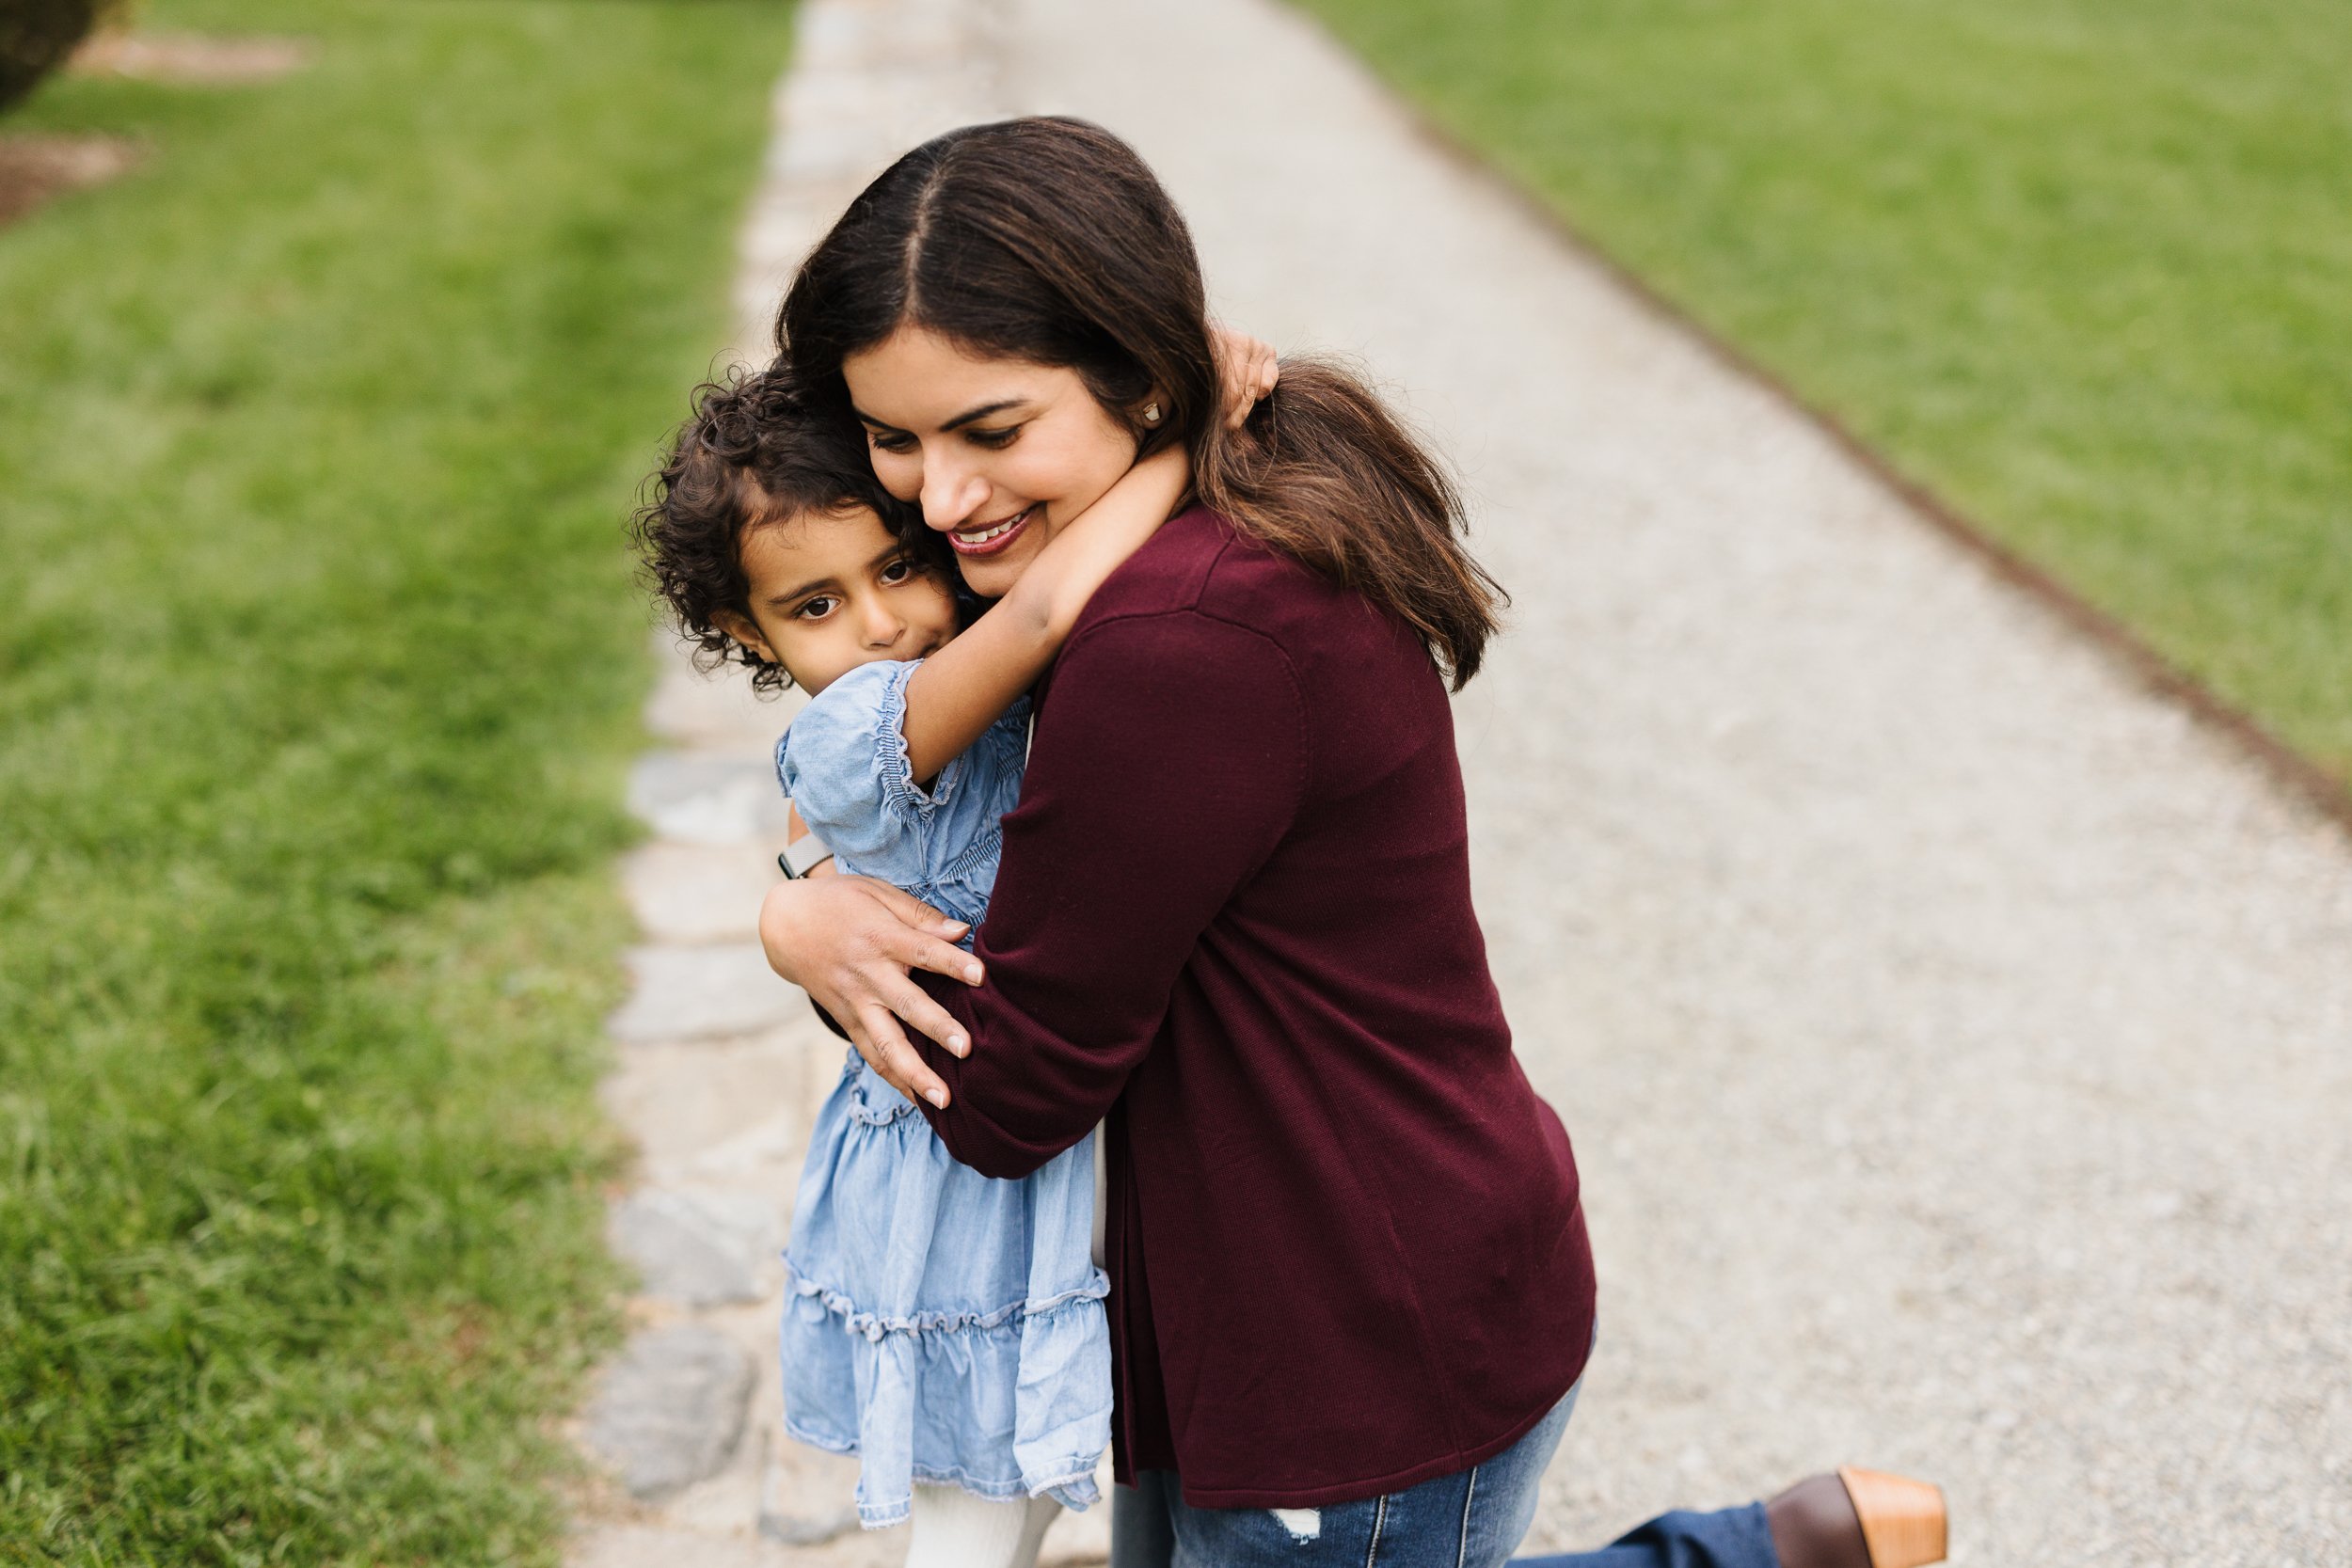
[946, 1327]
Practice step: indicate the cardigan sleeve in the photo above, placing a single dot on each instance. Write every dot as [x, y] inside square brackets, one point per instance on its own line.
[1169, 760]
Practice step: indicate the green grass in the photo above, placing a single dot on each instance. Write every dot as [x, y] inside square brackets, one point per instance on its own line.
[319, 667]
[2084, 270]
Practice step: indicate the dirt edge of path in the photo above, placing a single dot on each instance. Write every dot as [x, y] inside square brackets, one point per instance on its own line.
[36, 166]
[191, 60]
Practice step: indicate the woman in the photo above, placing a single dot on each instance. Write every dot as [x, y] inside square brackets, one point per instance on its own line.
[1352, 1294]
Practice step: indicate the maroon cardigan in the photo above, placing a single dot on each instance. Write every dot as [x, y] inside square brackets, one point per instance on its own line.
[1343, 1237]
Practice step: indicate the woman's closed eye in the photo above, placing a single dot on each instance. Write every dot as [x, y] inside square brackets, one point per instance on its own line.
[899, 443]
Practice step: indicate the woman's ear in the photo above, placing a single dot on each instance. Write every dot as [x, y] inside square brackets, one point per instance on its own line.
[1152, 411]
[741, 628]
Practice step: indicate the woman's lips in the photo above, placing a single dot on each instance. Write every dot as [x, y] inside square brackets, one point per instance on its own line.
[990, 537]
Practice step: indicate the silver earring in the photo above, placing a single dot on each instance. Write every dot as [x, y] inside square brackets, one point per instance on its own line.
[1151, 413]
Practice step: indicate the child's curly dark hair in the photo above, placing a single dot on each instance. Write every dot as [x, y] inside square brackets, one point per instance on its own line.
[755, 453]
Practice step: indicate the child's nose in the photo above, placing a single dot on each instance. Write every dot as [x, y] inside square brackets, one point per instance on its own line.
[883, 625]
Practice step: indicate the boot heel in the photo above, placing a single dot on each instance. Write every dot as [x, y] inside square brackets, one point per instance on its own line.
[1903, 1521]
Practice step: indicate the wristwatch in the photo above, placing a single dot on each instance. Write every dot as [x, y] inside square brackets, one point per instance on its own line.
[802, 855]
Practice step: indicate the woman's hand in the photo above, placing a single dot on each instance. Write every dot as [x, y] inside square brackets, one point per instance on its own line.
[1247, 370]
[851, 943]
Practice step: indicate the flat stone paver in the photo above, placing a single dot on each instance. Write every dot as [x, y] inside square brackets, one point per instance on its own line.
[1953, 1034]
[717, 798]
[699, 1248]
[703, 992]
[690, 892]
[670, 1411]
[684, 1103]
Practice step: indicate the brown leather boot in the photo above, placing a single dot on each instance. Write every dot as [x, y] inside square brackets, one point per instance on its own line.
[1858, 1519]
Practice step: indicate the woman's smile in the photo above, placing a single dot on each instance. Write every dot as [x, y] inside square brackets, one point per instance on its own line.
[999, 452]
[988, 538]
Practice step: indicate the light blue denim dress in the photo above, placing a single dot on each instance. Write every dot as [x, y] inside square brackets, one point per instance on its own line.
[942, 1325]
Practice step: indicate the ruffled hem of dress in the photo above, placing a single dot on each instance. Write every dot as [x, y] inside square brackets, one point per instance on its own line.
[874, 1327]
[1076, 1490]
[862, 1107]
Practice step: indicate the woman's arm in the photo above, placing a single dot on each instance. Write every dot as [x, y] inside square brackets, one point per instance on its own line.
[960, 691]
[1170, 762]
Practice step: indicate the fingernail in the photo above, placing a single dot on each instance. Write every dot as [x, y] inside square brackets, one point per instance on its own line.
[972, 973]
[937, 1097]
[958, 1044]
[954, 927]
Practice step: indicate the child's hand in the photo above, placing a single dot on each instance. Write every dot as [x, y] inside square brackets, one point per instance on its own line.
[1247, 370]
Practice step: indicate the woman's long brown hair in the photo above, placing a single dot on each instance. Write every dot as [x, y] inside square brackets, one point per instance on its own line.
[1049, 240]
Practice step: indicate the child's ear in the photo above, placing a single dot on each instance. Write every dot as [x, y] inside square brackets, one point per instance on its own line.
[745, 631]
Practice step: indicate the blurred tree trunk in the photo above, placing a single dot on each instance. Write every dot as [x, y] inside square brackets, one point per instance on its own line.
[36, 36]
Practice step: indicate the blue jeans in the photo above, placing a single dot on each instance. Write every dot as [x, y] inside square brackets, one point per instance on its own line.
[1472, 1519]
[1727, 1538]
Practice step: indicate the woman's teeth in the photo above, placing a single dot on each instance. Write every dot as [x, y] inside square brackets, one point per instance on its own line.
[978, 539]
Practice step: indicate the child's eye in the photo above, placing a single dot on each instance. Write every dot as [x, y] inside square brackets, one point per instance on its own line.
[897, 572]
[994, 440]
[816, 609]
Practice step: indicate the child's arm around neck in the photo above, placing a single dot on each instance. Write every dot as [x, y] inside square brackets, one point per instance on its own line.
[958, 691]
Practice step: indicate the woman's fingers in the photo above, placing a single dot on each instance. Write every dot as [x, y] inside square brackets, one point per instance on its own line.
[915, 1008]
[883, 1044]
[924, 938]
[915, 950]
[849, 942]
[913, 912]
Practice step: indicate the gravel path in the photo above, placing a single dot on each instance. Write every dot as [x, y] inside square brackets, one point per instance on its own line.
[1955, 1035]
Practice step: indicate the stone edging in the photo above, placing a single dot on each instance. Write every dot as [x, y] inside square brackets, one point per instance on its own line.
[720, 1066]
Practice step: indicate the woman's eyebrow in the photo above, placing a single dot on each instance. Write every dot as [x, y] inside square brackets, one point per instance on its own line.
[983, 411]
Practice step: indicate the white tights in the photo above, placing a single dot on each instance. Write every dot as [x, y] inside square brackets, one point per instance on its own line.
[955, 1530]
